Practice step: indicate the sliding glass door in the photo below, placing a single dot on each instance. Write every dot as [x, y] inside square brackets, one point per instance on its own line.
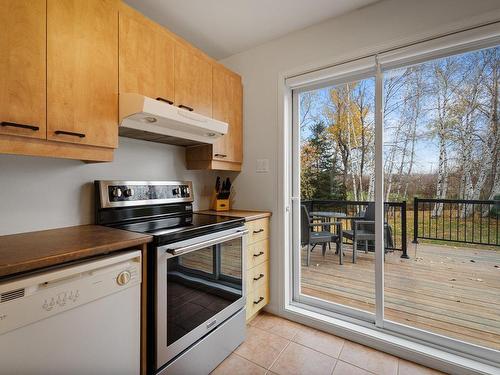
[442, 157]
[395, 183]
[334, 184]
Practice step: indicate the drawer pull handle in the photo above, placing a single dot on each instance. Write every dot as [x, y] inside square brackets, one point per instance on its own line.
[186, 107]
[259, 254]
[259, 301]
[22, 126]
[259, 277]
[165, 100]
[220, 155]
[258, 231]
[64, 132]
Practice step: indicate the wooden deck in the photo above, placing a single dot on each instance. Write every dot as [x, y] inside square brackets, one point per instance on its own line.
[447, 290]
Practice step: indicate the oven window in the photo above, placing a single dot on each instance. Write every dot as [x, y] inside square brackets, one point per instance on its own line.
[200, 284]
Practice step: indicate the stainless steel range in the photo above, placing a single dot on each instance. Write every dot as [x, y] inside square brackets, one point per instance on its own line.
[197, 300]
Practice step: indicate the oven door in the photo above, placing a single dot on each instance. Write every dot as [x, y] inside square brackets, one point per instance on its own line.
[199, 284]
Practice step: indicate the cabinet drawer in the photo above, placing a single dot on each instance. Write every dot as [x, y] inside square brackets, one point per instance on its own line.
[258, 276]
[257, 253]
[258, 230]
[256, 300]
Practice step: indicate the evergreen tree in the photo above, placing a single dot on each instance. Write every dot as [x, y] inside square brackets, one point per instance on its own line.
[318, 173]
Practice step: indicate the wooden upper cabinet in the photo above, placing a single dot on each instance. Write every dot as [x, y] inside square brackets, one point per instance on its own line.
[193, 80]
[22, 68]
[227, 107]
[146, 58]
[82, 72]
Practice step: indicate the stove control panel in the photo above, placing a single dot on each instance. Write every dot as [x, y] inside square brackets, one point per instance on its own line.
[134, 193]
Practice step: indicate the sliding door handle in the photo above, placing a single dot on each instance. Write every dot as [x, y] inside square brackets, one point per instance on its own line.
[20, 126]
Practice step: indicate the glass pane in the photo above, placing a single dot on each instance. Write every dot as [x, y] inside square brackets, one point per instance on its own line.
[442, 166]
[200, 284]
[231, 262]
[337, 188]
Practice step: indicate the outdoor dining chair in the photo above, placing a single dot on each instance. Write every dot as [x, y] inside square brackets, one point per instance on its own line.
[363, 229]
[309, 237]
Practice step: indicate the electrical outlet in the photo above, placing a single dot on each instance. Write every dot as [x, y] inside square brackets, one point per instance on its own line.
[262, 166]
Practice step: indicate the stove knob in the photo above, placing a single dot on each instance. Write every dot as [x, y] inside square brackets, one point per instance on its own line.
[123, 277]
[117, 192]
[175, 191]
[129, 192]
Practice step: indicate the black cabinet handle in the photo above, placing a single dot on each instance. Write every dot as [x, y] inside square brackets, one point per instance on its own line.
[185, 107]
[220, 155]
[258, 231]
[259, 277]
[259, 301]
[63, 132]
[22, 126]
[259, 254]
[165, 100]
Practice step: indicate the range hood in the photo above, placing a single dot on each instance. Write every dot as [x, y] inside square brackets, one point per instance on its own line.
[157, 121]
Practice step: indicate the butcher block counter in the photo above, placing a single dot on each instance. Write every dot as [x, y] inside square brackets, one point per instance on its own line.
[34, 250]
[246, 214]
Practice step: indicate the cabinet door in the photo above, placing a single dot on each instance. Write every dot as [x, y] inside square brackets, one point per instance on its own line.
[22, 68]
[146, 58]
[193, 80]
[82, 72]
[227, 107]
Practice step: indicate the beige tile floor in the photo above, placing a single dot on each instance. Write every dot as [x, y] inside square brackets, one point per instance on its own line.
[279, 346]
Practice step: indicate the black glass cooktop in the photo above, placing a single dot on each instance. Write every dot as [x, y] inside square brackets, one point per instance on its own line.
[178, 227]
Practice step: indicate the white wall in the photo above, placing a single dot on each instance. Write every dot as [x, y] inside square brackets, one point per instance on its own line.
[42, 193]
[386, 24]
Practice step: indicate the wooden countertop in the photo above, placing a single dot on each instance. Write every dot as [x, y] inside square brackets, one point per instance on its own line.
[33, 250]
[248, 215]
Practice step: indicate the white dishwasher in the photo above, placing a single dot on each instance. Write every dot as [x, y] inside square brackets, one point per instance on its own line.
[80, 319]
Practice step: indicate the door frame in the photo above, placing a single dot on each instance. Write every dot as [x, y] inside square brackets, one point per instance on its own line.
[289, 203]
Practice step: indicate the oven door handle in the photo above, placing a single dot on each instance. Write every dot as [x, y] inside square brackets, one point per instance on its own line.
[202, 244]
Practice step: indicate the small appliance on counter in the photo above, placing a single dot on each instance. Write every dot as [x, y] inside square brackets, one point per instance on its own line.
[221, 194]
[196, 272]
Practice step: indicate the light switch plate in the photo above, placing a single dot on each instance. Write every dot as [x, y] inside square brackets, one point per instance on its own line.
[262, 166]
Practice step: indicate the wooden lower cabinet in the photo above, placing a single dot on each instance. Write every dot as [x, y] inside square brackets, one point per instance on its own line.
[257, 266]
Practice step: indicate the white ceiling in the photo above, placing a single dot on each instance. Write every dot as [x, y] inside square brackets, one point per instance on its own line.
[222, 28]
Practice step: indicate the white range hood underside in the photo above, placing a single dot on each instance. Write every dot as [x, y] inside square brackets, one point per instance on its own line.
[156, 121]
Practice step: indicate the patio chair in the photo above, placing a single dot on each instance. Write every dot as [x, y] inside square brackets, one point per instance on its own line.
[363, 229]
[323, 237]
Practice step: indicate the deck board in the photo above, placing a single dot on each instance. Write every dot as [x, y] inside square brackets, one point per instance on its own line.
[438, 289]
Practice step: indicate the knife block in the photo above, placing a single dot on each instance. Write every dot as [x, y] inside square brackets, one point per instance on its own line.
[220, 204]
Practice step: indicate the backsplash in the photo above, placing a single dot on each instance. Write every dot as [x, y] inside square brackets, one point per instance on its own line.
[43, 193]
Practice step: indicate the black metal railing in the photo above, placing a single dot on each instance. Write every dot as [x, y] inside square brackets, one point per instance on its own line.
[455, 220]
[394, 213]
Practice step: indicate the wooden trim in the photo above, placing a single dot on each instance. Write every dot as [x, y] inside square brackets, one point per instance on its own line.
[41, 147]
[214, 165]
